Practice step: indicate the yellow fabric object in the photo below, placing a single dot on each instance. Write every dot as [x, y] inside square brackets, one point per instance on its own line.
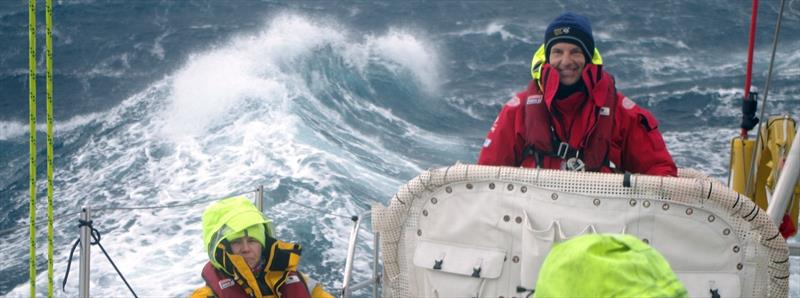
[776, 139]
[319, 292]
[246, 277]
[740, 161]
[294, 259]
[204, 292]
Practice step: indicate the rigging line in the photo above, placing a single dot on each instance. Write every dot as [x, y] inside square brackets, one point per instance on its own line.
[32, 142]
[187, 204]
[766, 93]
[69, 265]
[194, 202]
[771, 63]
[6, 231]
[97, 239]
[95, 234]
[319, 210]
[49, 82]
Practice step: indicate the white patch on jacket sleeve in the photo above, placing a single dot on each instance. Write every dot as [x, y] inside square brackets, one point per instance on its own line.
[534, 99]
[513, 102]
[627, 103]
[487, 142]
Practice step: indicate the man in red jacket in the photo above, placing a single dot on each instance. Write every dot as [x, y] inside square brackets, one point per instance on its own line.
[573, 118]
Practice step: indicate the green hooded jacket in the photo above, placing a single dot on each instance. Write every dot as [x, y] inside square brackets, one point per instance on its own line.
[229, 219]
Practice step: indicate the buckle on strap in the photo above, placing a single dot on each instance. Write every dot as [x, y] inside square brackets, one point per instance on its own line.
[565, 151]
[575, 164]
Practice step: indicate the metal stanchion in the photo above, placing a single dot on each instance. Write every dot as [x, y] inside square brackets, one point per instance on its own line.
[348, 286]
[351, 250]
[375, 275]
[86, 244]
[260, 198]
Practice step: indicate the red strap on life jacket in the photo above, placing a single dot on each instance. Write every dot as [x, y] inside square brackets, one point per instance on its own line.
[604, 92]
[295, 287]
[538, 133]
[222, 285]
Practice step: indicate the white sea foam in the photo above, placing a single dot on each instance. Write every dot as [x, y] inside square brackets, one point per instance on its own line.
[464, 105]
[10, 130]
[493, 27]
[157, 49]
[722, 102]
[250, 67]
[704, 149]
[260, 67]
[787, 61]
[209, 87]
[499, 27]
[123, 168]
[410, 52]
[115, 66]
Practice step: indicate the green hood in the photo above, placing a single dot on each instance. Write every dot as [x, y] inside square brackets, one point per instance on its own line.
[228, 219]
[598, 265]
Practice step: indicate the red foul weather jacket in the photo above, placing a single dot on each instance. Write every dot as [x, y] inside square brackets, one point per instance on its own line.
[603, 129]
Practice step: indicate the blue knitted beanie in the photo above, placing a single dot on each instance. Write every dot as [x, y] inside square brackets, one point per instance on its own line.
[572, 28]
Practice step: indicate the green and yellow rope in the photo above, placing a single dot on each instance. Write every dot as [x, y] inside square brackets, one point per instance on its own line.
[32, 124]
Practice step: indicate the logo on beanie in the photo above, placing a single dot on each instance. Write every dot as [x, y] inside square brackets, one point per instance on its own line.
[561, 31]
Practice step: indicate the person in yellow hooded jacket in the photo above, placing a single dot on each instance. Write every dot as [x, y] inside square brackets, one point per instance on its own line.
[245, 260]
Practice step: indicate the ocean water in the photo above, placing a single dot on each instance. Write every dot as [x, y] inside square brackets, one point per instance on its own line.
[332, 105]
